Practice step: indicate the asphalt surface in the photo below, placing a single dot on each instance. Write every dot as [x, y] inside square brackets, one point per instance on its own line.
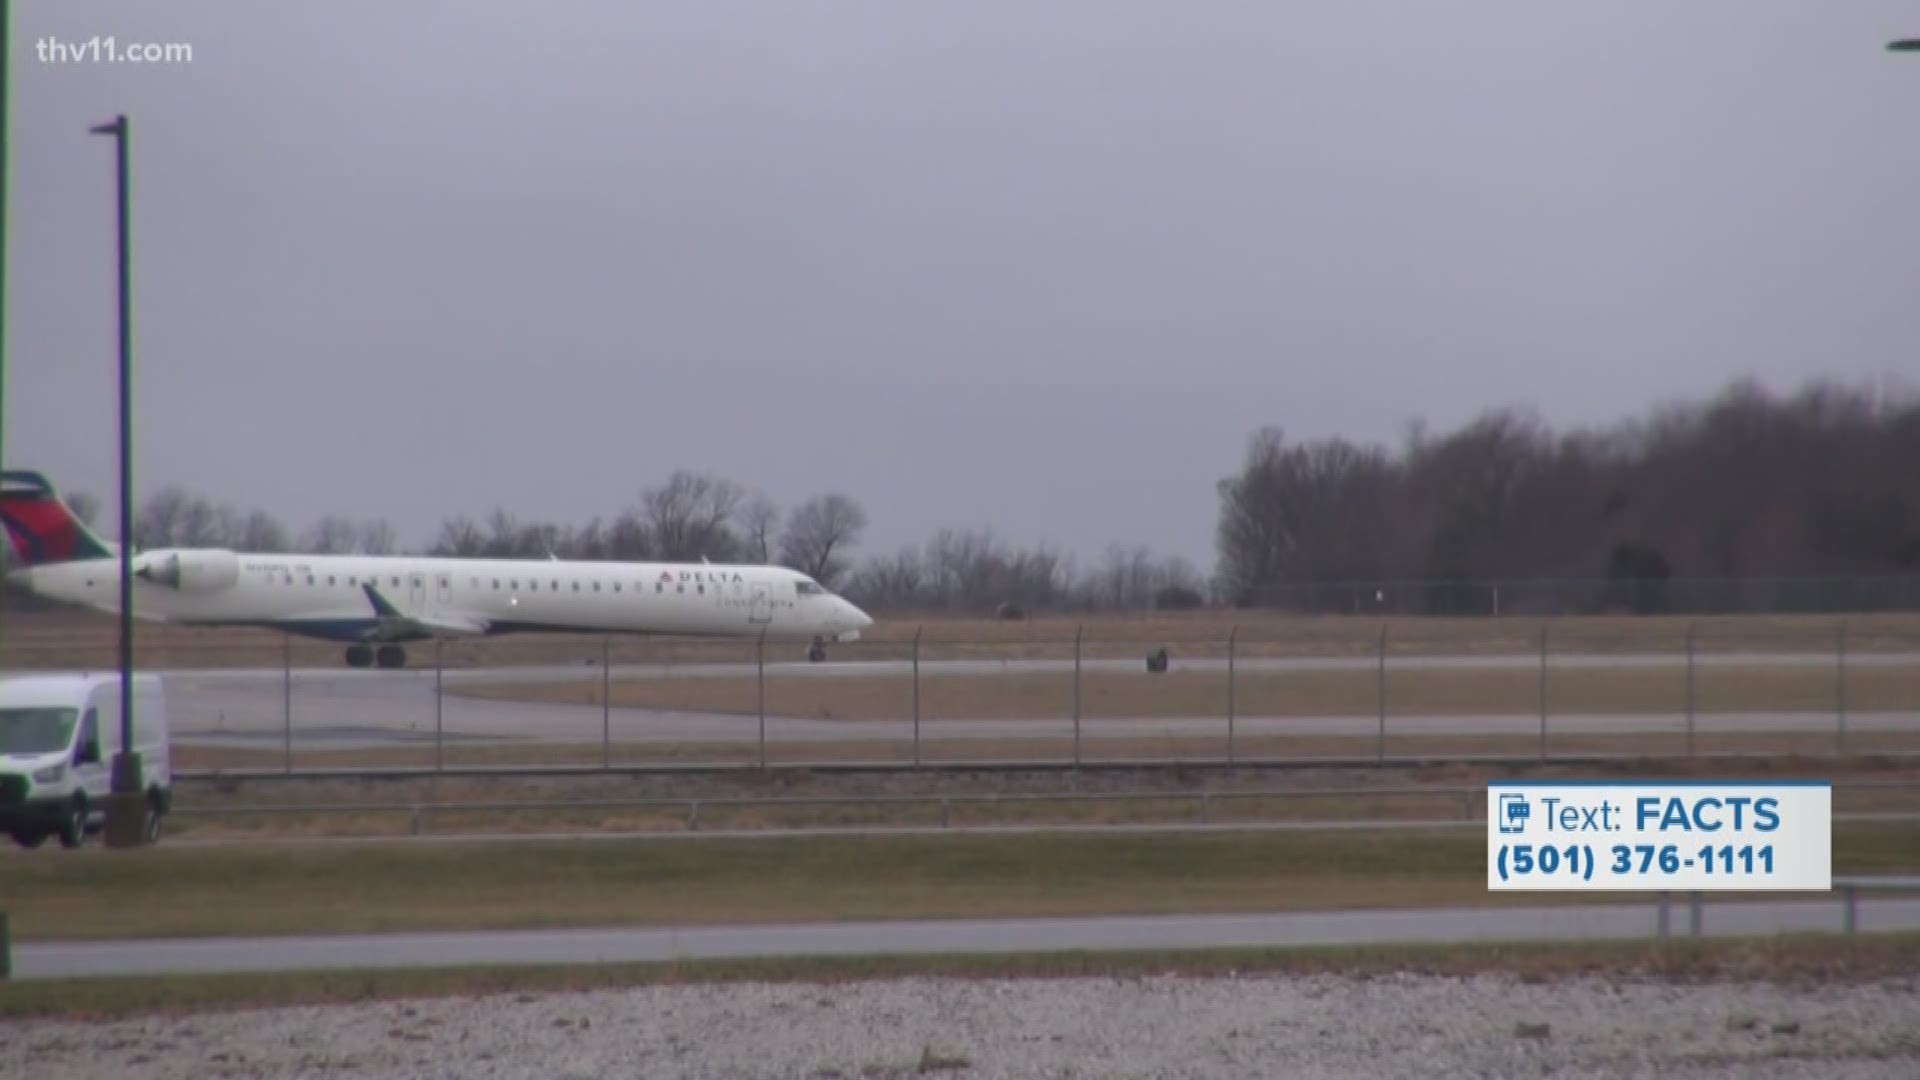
[974, 936]
[342, 708]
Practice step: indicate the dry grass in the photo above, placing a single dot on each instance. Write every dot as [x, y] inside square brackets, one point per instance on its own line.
[1093, 747]
[1127, 695]
[1797, 960]
[452, 885]
[432, 816]
[83, 639]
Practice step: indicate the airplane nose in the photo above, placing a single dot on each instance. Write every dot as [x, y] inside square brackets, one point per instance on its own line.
[861, 620]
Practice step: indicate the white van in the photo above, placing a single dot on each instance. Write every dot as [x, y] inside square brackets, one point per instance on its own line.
[58, 736]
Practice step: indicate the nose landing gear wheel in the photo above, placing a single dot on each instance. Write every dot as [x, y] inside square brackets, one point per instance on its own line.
[392, 656]
[816, 652]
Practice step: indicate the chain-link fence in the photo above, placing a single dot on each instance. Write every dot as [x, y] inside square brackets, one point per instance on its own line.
[1594, 596]
[1154, 691]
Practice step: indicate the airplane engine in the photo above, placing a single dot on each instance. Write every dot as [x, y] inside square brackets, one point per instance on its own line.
[207, 570]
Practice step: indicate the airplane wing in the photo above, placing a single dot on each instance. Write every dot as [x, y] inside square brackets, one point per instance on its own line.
[394, 621]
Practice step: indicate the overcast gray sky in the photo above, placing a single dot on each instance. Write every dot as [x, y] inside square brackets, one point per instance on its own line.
[1034, 267]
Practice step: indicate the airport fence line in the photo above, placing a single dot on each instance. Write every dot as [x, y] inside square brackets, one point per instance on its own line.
[1156, 692]
[1555, 596]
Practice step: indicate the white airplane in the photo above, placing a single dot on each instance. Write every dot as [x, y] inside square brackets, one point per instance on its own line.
[378, 603]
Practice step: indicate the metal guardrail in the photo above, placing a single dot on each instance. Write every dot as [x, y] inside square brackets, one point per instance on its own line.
[1849, 888]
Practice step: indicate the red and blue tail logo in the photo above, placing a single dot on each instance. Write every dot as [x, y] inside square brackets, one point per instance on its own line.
[41, 527]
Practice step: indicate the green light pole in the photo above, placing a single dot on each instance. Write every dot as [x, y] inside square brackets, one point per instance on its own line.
[126, 812]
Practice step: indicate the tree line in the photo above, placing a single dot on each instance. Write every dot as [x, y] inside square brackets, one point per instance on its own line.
[1824, 481]
[1748, 484]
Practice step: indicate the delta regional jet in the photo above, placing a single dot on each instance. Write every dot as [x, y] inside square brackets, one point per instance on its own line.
[378, 603]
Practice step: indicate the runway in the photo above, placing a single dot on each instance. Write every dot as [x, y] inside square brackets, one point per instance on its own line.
[971, 936]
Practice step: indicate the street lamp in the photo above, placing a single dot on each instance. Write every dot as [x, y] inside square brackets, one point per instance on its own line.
[126, 811]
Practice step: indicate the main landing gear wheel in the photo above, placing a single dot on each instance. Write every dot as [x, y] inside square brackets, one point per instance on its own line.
[392, 656]
[359, 656]
[816, 652]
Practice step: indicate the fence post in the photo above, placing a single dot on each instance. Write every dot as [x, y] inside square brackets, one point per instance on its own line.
[1693, 914]
[606, 703]
[1078, 630]
[916, 693]
[439, 704]
[1663, 916]
[1692, 697]
[6, 948]
[1233, 635]
[1544, 628]
[1840, 687]
[1380, 691]
[760, 665]
[286, 692]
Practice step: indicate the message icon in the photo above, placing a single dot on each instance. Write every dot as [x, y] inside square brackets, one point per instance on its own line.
[1514, 812]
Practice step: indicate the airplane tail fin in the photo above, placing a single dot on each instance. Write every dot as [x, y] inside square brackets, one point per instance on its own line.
[41, 526]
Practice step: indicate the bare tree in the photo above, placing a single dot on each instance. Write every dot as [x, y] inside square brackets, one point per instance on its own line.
[331, 535]
[690, 517]
[377, 538]
[818, 533]
[460, 537]
[758, 521]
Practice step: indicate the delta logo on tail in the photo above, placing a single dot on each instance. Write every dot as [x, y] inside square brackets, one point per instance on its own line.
[39, 524]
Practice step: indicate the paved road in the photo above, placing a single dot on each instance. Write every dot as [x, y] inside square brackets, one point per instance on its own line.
[339, 708]
[1591, 922]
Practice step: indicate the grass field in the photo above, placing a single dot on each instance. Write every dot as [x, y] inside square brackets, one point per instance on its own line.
[1821, 960]
[1104, 694]
[451, 885]
[1093, 747]
[75, 638]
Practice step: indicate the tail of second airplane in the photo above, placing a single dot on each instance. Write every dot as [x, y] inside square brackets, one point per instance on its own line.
[41, 526]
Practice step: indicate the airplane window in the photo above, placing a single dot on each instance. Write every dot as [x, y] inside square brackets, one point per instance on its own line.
[396, 583]
[809, 588]
[516, 586]
[596, 586]
[556, 584]
[576, 586]
[309, 579]
[658, 587]
[496, 584]
[353, 581]
[330, 580]
[701, 589]
[682, 587]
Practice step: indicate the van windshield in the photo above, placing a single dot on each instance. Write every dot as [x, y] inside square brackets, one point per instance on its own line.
[36, 731]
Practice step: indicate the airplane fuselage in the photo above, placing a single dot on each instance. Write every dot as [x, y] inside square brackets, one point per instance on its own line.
[328, 596]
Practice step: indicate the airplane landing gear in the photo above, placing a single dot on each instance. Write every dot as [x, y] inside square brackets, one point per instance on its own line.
[816, 652]
[388, 656]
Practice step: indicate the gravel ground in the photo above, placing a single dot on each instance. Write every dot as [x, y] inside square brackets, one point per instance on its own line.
[1301, 1027]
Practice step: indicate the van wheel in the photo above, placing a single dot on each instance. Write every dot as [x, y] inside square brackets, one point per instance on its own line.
[73, 825]
[30, 838]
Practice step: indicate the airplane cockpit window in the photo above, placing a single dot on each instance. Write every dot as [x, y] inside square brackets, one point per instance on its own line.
[809, 588]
